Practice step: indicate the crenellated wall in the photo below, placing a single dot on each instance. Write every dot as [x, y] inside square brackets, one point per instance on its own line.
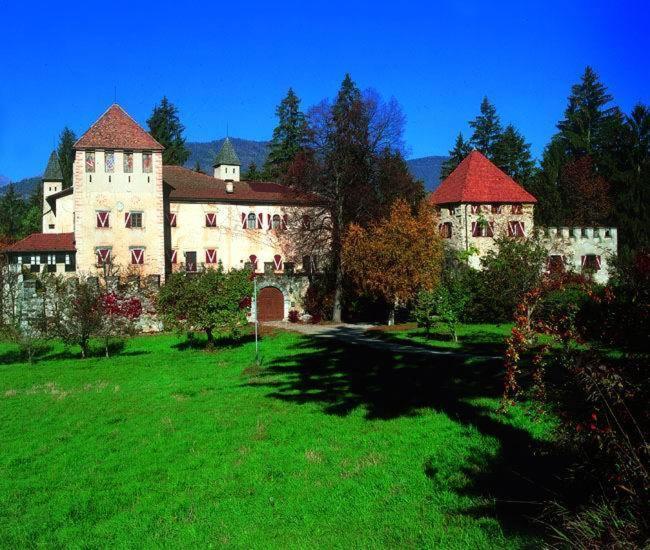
[575, 242]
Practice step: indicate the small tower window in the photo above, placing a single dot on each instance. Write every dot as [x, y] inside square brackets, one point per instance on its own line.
[128, 162]
[146, 163]
[109, 161]
[90, 161]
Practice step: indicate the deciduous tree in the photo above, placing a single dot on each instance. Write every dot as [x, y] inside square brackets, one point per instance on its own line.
[395, 257]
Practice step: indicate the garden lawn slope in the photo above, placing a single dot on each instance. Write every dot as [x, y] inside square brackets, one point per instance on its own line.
[326, 446]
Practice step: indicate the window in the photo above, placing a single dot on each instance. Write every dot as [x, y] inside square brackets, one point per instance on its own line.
[445, 230]
[451, 210]
[128, 162]
[608, 234]
[517, 209]
[90, 161]
[50, 225]
[69, 261]
[555, 263]
[211, 219]
[109, 161]
[251, 223]
[103, 256]
[306, 221]
[482, 229]
[137, 256]
[277, 262]
[474, 209]
[276, 222]
[103, 219]
[171, 219]
[35, 264]
[173, 257]
[211, 256]
[190, 262]
[253, 260]
[496, 208]
[590, 262]
[51, 263]
[133, 220]
[146, 163]
[516, 229]
[583, 233]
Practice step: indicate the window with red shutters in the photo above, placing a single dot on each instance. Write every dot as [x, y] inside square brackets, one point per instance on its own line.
[517, 209]
[591, 262]
[103, 219]
[211, 219]
[260, 221]
[211, 256]
[277, 262]
[476, 229]
[445, 230]
[474, 209]
[516, 229]
[137, 256]
[253, 260]
[285, 222]
[276, 222]
[171, 219]
[250, 221]
[495, 209]
[103, 256]
[173, 257]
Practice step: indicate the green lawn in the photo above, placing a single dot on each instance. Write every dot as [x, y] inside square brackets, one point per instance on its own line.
[326, 445]
[481, 339]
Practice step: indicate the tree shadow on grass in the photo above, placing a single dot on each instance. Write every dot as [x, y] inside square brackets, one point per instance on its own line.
[45, 354]
[343, 375]
[200, 342]
[488, 344]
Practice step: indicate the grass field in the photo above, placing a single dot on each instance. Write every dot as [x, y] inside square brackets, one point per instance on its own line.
[324, 446]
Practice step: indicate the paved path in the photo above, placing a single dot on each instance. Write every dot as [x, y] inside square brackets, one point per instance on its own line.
[358, 335]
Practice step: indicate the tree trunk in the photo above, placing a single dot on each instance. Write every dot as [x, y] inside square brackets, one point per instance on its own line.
[208, 331]
[336, 245]
[338, 295]
[391, 313]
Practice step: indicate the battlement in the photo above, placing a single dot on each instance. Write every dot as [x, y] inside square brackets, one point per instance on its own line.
[602, 235]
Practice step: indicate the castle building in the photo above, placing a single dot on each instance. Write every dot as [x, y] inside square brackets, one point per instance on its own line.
[127, 211]
[478, 203]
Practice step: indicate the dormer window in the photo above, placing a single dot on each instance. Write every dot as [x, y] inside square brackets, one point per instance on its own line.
[109, 161]
[128, 162]
[147, 163]
[90, 162]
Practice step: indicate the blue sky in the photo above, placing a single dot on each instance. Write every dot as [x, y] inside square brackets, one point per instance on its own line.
[231, 62]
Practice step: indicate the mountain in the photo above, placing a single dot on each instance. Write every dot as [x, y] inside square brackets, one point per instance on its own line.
[4, 180]
[247, 150]
[24, 187]
[426, 169]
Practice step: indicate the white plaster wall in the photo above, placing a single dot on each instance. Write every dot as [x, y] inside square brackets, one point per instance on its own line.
[227, 172]
[119, 192]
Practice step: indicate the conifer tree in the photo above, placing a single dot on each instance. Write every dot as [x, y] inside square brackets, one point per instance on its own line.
[13, 209]
[487, 129]
[197, 167]
[289, 136]
[253, 174]
[66, 154]
[512, 155]
[588, 118]
[461, 149]
[166, 128]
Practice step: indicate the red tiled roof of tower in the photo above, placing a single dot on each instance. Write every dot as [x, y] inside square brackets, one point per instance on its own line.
[115, 129]
[45, 242]
[476, 179]
[185, 184]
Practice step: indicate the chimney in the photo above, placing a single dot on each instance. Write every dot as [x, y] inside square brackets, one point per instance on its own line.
[230, 187]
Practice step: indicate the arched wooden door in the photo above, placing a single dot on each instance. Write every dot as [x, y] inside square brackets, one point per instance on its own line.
[270, 304]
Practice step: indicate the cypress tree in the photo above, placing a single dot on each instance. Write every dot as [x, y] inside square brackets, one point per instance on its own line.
[460, 150]
[289, 136]
[166, 128]
[65, 152]
[487, 129]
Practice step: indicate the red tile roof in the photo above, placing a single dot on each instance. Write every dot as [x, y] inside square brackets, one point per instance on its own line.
[476, 179]
[187, 185]
[115, 129]
[45, 242]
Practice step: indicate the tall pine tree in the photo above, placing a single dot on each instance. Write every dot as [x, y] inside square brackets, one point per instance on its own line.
[65, 152]
[289, 136]
[13, 209]
[512, 155]
[487, 129]
[166, 128]
[461, 149]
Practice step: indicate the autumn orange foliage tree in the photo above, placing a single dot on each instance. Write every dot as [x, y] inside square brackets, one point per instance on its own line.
[395, 257]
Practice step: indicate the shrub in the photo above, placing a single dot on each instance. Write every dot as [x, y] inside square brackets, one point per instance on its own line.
[294, 316]
[425, 310]
[213, 300]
